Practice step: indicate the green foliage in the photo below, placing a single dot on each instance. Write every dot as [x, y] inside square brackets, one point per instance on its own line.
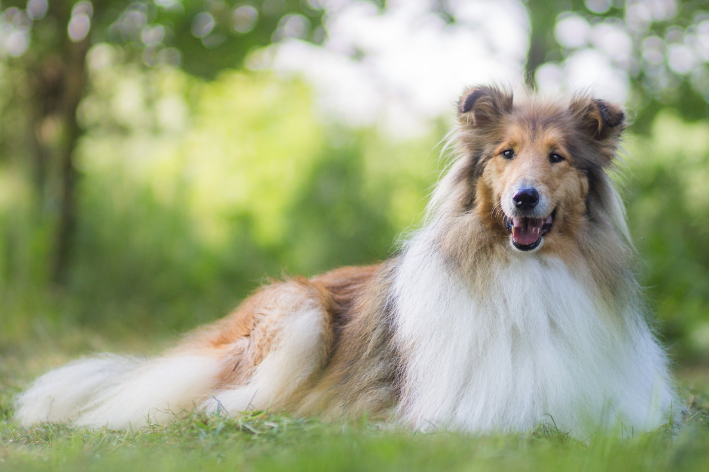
[192, 193]
[46, 54]
[203, 37]
[668, 208]
[651, 28]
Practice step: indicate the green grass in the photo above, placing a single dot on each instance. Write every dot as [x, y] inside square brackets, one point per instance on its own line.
[268, 441]
[271, 442]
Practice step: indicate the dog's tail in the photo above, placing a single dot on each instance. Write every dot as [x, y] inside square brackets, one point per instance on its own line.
[119, 392]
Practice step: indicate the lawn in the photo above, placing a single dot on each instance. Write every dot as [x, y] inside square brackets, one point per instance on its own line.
[269, 441]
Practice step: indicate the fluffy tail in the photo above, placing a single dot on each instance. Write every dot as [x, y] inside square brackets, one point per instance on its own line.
[119, 392]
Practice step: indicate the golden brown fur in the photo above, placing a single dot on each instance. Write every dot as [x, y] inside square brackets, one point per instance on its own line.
[358, 377]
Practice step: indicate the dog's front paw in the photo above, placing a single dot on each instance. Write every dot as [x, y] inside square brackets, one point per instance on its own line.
[232, 402]
[213, 406]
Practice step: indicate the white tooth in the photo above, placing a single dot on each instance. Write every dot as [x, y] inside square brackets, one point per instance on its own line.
[548, 220]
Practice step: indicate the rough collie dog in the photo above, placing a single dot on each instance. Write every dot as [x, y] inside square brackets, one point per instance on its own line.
[514, 304]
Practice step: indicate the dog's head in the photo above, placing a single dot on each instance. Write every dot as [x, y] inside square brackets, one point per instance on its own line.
[532, 166]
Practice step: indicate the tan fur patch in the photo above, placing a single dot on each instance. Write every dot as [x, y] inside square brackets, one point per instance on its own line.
[244, 338]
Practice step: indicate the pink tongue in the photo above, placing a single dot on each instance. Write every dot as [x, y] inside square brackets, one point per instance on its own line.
[526, 231]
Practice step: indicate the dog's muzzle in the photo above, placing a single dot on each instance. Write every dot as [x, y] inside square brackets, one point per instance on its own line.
[527, 232]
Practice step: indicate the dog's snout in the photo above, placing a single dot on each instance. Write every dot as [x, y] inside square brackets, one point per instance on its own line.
[526, 198]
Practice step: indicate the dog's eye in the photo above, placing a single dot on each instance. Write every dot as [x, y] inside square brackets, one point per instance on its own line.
[554, 158]
[508, 154]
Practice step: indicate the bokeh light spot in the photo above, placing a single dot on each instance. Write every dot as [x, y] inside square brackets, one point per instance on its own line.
[36, 9]
[203, 24]
[244, 18]
[572, 31]
[79, 27]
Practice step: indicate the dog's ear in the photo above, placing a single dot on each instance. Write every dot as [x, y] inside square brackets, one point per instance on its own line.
[599, 119]
[480, 106]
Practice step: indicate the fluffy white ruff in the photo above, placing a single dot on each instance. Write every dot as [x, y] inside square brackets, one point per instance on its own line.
[537, 347]
[118, 392]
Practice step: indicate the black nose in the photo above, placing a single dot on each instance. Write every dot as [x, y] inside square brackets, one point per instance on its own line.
[526, 199]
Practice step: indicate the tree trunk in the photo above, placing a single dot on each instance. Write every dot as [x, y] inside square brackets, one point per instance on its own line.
[536, 55]
[58, 82]
[73, 90]
[542, 19]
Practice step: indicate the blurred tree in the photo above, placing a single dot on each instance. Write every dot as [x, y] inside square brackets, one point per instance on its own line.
[667, 43]
[542, 18]
[46, 44]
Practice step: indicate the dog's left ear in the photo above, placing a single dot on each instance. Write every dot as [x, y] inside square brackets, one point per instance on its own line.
[481, 106]
[600, 119]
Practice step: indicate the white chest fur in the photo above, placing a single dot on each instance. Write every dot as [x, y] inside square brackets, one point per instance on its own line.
[537, 348]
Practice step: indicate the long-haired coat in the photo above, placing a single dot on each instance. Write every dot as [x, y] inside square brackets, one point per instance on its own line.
[514, 304]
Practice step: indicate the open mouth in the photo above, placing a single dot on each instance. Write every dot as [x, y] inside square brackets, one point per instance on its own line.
[527, 232]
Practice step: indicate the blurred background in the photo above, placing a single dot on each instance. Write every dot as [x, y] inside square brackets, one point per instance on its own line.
[159, 159]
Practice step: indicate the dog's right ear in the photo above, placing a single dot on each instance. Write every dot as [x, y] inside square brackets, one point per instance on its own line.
[597, 118]
[480, 106]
